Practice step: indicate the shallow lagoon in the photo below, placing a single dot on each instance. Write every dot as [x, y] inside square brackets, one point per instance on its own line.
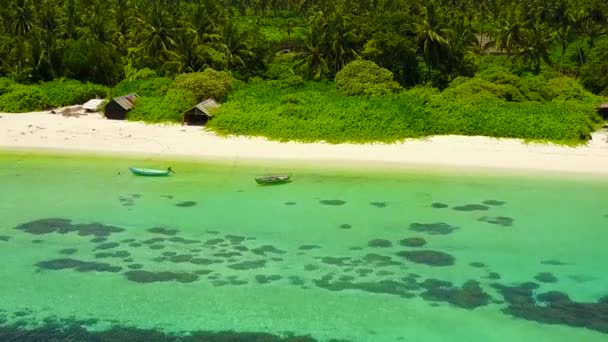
[407, 255]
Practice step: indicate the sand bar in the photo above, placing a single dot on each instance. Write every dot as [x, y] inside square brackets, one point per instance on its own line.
[91, 133]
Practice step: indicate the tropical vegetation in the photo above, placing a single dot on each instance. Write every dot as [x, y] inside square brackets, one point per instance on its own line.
[334, 70]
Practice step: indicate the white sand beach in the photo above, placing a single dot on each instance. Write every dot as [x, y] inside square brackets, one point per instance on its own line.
[93, 133]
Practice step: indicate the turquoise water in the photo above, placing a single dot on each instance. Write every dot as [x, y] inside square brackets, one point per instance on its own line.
[338, 254]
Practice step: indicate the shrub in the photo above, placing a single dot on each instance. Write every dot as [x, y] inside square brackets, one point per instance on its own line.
[168, 108]
[6, 85]
[143, 87]
[61, 92]
[207, 84]
[317, 112]
[363, 77]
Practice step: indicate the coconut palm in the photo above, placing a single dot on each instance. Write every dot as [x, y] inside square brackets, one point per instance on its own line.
[432, 36]
[536, 47]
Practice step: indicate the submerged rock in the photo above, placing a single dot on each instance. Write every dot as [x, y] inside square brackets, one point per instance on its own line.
[437, 228]
[428, 257]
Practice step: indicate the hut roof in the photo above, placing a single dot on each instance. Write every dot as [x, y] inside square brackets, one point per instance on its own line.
[93, 105]
[207, 106]
[126, 101]
[603, 106]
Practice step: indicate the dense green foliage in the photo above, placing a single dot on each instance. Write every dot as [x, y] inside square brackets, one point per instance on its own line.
[363, 77]
[206, 84]
[505, 67]
[23, 98]
[167, 108]
[512, 107]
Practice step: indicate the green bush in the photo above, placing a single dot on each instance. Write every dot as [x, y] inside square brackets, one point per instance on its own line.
[207, 84]
[58, 93]
[151, 87]
[363, 77]
[92, 61]
[6, 85]
[167, 108]
[317, 112]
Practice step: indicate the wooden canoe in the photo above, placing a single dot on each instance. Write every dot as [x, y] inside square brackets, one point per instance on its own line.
[150, 172]
[273, 179]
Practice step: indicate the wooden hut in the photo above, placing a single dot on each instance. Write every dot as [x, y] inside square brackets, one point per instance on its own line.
[119, 106]
[603, 111]
[201, 113]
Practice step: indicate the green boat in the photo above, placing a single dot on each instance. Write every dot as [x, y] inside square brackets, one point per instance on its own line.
[150, 172]
[273, 179]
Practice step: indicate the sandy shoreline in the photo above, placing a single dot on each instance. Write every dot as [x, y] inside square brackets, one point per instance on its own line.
[92, 133]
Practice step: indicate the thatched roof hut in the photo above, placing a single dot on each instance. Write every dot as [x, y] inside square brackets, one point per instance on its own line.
[201, 113]
[119, 106]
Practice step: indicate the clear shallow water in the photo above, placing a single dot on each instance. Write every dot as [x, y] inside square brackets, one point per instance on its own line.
[322, 256]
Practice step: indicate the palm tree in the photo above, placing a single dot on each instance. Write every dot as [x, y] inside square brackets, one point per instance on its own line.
[156, 36]
[536, 47]
[235, 44]
[432, 37]
[509, 33]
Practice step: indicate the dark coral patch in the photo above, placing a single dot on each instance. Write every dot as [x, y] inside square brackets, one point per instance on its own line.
[212, 242]
[235, 239]
[135, 266]
[345, 226]
[37, 241]
[169, 254]
[227, 255]
[338, 261]
[471, 207]
[47, 226]
[262, 250]
[413, 242]
[438, 205]
[264, 279]
[553, 262]
[4, 238]
[181, 258]
[107, 245]
[183, 241]
[308, 247]
[383, 286]
[156, 247]
[553, 308]
[438, 228]
[163, 231]
[68, 251]
[296, 281]
[380, 243]
[493, 202]
[493, 276]
[546, 277]
[203, 272]
[332, 202]
[377, 260]
[498, 220]
[204, 261]
[248, 265]
[135, 244]
[98, 239]
[379, 204]
[477, 264]
[311, 267]
[117, 254]
[469, 296]
[290, 203]
[186, 204]
[428, 257]
[144, 277]
[77, 265]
